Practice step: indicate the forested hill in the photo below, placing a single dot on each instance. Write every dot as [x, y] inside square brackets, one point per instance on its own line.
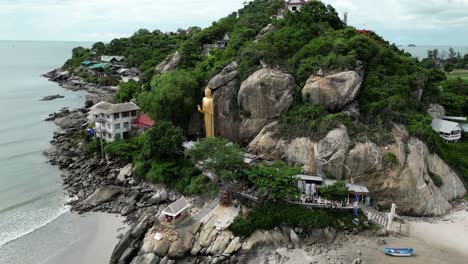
[396, 87]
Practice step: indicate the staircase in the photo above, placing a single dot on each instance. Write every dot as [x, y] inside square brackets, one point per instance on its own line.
[381, 218]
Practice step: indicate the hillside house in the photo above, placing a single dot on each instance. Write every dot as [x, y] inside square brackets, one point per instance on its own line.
[112, 59]
[113, 121]
[448, 130]
[219, 44]
[295, 5]
[309, 187]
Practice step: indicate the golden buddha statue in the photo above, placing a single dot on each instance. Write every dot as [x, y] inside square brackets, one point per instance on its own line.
[208, 111]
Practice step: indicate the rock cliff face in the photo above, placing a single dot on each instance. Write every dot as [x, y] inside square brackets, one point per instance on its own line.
[242, 110]
[169, 64]
[263, 97]
[333, 91]
[407, 180]
[225, 87]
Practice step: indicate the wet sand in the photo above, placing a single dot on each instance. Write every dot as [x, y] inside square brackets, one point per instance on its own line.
[98, 236]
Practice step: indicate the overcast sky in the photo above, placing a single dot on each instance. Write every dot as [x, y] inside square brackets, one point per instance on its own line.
[431, 22]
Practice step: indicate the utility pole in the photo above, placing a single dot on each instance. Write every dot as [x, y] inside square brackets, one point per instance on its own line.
[101, 121]
[346, 18]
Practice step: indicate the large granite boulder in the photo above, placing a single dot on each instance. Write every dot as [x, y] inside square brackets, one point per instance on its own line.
[123, 174]
[331, 153]
[263, 97]
[299, 152]
[333, 91]
[225, 87]
[363, 159]
[102, 195]
[170, 63]
[436, 111]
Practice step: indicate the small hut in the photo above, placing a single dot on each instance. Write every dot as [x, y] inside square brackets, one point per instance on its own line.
[176, 211]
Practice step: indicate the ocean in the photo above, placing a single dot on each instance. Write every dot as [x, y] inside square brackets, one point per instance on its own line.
[32, 200]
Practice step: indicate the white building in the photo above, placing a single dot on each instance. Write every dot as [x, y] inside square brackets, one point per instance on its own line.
[448, 130]
[113, 121]
[295, 5]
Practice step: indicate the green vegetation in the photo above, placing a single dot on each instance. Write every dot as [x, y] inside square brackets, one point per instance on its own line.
[315, 122]
[389, 159]
[219, 155]
[456, 74]
[158, 157]
[271, 215]
[277, 179]
[336, 192]
[127, 91]
[454, 97]
[436, 179]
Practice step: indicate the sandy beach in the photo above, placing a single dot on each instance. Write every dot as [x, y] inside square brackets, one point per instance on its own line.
[98, 236]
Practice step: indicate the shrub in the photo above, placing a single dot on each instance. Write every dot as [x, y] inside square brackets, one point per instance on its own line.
[121, 149]
[270, 215]
[337, 191]
[436, 179]
[389, 159]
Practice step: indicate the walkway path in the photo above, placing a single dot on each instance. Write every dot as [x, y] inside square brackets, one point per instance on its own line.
[207, 209]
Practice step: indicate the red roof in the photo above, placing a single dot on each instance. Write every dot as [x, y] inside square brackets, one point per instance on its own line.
[144, 121]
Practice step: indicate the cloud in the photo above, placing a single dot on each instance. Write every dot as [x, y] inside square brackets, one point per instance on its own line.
[415, 21]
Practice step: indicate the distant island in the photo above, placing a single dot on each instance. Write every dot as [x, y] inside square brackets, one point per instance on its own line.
[411, 45]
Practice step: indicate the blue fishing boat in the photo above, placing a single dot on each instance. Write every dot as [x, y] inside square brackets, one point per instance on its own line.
[399, 252]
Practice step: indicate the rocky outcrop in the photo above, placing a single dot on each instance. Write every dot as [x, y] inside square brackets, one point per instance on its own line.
[263, 97]
[170, 63]
[331, 153]
[436, 111]
[225, 87]
[407, 180]
[124, 173]
[298, 152]
[333, 91]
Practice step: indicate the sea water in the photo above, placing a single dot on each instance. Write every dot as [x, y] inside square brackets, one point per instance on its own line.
[31, 196]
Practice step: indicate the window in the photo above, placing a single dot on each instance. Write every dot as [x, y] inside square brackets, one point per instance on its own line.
[126, 125]
[125, 114]
[118, 136]
[117, 126]
[116, 116]
[294, 8]
[109, 135]
[134, 113]
[108, 125]
[108, 116]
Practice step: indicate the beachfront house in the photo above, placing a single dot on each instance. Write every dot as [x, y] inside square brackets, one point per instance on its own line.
[310, 186]
[448, 130]
[176, 211]
[113, 121]
[295, 5]
[142, 123]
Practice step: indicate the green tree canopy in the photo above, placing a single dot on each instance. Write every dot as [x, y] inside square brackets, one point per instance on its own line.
[277, 179]
[126, 91]
[224, 158]
[337, 191]
[163, 142]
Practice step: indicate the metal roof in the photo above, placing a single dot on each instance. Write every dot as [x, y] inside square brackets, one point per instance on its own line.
[99, 66]
[110, 58]
[309, 178]
[455, 118]
[176, 207]
[108, 108]
[444, 126]
[351, 186]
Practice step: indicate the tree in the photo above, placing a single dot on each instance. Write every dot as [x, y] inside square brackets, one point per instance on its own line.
[126, 91]
[337, 191]
[172, 98]
[224, 158]
[449, 67]
[163, 142]
[277, 179]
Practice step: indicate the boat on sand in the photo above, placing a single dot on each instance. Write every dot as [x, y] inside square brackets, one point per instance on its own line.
[399, 252]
